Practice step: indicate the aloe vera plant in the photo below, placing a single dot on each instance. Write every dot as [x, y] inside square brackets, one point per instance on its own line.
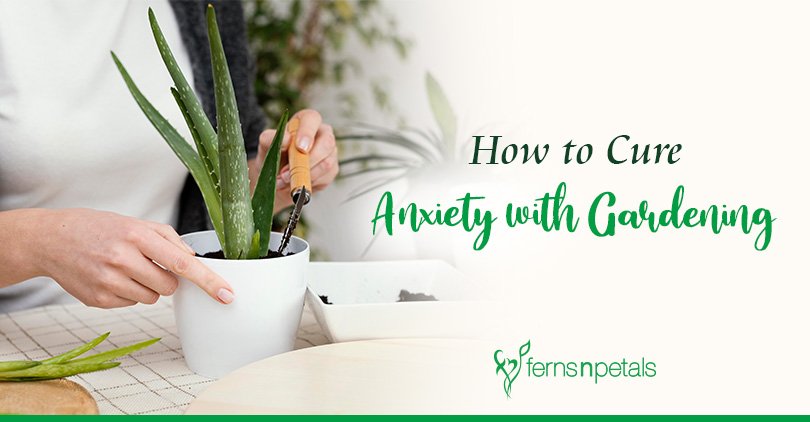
[219, 165]
[67, 364]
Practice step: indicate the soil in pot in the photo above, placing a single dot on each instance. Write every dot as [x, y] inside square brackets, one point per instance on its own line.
[221, 255]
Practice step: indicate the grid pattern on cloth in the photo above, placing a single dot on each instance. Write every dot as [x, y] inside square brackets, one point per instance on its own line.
[154, 380]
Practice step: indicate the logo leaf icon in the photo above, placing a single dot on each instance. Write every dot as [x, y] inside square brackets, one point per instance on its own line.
[510, 374]
[524, 350]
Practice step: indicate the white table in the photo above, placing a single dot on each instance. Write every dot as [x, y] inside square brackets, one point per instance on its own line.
[151, 381]
[389, 376]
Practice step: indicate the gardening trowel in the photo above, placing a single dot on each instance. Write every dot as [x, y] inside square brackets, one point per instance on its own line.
[300, 184]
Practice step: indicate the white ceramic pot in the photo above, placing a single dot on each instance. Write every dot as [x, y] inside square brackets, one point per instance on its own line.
[262, 320]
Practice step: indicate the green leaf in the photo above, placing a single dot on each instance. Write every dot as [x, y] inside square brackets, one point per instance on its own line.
[47, 372]
[350, 174]
[254, 246]
[115, 353]
[181, 148]
[265, 192]
[373, 133]
[64, 357]
[442, 112]
[200, 121]
[373, 158]
[237, 214]
[524, 349]
[202, 151]
[16, 365]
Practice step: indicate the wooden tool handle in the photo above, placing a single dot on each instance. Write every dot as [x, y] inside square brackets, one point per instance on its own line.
[299, 162]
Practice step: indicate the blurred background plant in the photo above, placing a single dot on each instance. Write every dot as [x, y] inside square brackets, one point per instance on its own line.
[408, 151]
[300, 47]
[307, 50]
[428, 159]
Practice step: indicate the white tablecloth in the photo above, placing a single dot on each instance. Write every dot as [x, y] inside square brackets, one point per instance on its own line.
[154, 380]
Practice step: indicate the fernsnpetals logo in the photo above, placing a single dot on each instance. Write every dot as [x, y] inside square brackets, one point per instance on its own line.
[510, 369]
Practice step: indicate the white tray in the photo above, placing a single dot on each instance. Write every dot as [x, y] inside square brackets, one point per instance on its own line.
[364, 300]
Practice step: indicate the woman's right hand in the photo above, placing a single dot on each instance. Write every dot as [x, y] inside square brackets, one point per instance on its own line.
[107, 260]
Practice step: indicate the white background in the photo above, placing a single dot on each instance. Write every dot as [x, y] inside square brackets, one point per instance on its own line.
[730, 81]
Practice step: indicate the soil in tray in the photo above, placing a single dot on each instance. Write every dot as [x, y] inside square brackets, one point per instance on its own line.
[221, 255]
[404, 296]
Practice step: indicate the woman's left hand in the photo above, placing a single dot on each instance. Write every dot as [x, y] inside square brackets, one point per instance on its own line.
[314, 137]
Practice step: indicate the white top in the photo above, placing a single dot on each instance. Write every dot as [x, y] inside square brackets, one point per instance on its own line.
[70, 133]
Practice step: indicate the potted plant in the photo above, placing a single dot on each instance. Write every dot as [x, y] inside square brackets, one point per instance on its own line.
[420, 165]
[217, 339]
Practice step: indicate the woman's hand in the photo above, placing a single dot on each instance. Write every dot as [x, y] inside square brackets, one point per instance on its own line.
[314, 137]
[108, 260]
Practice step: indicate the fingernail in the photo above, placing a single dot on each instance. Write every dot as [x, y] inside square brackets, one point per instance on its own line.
[281, 184]
[189, 248]
[303, 143]
[285, 176]
[225, 296]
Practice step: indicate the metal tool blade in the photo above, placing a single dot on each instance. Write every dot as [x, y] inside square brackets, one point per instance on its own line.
[301, 198]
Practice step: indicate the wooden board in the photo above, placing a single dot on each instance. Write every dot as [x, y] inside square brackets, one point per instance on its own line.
[60, 397]
[378, 376]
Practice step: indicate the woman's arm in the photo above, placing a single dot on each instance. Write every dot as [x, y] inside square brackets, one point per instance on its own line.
[20, 234]
[103, 259]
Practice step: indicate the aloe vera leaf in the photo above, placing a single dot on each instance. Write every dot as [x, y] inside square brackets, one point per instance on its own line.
[16, 365]
[115, 353]
[64, 357]
[254, 246]
[237, 213]
[442, 112]
[195, 111]
[181, 148]
[202, 151]
[45, 372]
[264, 194]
